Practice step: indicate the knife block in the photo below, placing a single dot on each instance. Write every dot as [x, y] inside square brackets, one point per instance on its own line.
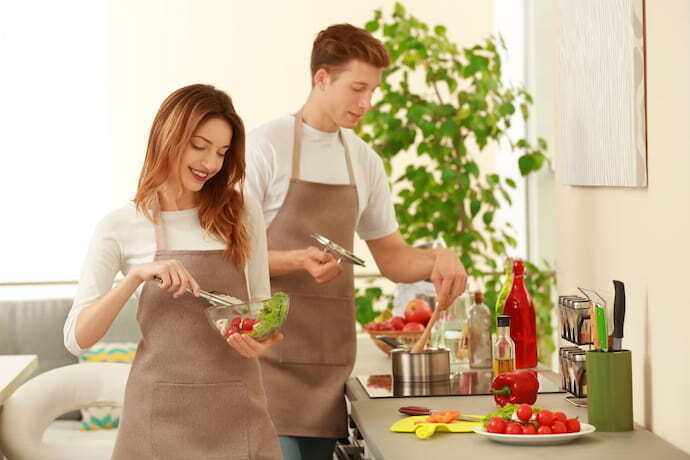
[575, 327]
[609, 399]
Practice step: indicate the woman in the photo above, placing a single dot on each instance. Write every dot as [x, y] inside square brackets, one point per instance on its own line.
[189, 395]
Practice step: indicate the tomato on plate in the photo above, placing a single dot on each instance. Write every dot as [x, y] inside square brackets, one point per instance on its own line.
[514, 428]
[529, 429]
[524, 412]
[559, 417]
[545, 417]
[544, 430]
[496, 425]
[558, 427]
[573, 425]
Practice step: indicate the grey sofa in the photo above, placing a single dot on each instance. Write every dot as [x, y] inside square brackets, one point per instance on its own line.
[35, 327]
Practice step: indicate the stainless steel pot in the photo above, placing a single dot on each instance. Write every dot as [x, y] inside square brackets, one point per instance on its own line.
[431, 365]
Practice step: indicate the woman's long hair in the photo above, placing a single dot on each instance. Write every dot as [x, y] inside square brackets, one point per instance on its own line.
[221, 199]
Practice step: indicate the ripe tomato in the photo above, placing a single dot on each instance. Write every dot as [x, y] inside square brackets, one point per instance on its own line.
[514, 428]
[573, 425]
[529, 429]
[558, 427]
[236, 322]
[496, 425]
[247, 324]
[545, 417]
[544, 430]
[524, 412]
[559, 417]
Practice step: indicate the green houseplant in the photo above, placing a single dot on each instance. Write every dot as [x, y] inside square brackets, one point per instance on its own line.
[449, 104]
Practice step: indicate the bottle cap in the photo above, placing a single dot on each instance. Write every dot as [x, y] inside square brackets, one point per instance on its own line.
[518, 267]
[503, 321]
[478, 297]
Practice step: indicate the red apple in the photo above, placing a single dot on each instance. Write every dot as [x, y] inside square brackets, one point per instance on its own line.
[413, 327]
[417, 311]
[398, 323]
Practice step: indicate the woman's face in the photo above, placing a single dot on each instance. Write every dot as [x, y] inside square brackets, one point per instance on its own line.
[204, 154]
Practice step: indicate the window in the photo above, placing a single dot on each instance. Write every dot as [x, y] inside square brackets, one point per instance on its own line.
[56, 145]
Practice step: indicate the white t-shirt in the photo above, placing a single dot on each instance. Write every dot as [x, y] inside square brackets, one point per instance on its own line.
[322, 159]
[126, 237]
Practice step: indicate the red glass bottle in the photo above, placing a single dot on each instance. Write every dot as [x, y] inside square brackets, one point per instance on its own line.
[523, 321]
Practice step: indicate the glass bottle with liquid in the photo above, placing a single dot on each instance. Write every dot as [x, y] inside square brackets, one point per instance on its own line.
[505, 289]
[504, 347]
[523, 322]
[479, 320]
[456, 330]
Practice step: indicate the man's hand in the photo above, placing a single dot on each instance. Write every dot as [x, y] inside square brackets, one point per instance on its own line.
[322, 266]
[449, 277]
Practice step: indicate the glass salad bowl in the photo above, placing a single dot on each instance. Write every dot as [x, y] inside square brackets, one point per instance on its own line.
[258, 318]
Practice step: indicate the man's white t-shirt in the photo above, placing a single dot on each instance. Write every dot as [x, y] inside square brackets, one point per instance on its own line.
[125, 238]
[322, 159]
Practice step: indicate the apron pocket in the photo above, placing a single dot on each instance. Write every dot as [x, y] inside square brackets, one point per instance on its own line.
[200, 420]
[319, 330]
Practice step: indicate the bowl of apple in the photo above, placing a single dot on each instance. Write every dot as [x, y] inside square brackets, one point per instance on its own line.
[405, 329]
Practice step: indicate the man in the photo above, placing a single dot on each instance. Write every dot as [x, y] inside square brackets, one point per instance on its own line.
[313, 174]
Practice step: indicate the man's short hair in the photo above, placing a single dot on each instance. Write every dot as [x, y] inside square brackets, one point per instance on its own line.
[337, 45]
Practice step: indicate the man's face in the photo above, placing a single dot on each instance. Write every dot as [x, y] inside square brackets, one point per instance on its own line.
[348, 92]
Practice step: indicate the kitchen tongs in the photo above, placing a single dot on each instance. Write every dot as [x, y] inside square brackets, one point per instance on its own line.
[215, 300]
[340, 252]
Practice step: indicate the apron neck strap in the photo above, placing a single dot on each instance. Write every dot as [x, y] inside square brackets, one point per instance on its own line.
[161, 241]
[297, 146]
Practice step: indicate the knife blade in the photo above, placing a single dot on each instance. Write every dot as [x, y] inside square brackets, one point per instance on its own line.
[618, 314]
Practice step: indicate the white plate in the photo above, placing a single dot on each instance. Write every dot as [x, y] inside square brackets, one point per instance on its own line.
[536, 439]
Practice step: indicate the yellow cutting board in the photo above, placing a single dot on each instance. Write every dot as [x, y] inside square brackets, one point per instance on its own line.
[425, 430]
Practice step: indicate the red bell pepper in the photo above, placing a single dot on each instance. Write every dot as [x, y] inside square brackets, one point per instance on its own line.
[519, 387]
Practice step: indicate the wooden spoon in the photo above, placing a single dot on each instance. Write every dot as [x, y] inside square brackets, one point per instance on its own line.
[421, 343]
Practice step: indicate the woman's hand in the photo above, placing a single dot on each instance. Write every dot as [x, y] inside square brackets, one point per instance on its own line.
[172, 275]
[250, 347]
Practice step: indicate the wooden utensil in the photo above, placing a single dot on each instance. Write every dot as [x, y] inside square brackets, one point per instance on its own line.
[421, 343]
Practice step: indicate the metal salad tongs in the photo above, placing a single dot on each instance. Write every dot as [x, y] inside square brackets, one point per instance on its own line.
[340, 252]
[214, 299]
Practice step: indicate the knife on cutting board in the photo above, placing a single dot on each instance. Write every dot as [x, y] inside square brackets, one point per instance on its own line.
[618, 314]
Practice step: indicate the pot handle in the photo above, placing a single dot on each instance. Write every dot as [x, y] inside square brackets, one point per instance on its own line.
[391, 342]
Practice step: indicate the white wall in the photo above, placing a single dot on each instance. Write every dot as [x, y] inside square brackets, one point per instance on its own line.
[258, 51]
[640, 236]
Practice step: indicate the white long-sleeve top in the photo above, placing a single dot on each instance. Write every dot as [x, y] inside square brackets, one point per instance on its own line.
[125, 238]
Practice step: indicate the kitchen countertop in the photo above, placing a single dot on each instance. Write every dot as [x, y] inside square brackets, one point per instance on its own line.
[374, 417]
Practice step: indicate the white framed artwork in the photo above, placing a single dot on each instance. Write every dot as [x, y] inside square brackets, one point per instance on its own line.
[602, 93]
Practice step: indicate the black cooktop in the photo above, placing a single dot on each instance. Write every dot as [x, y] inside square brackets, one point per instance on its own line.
[461, 383]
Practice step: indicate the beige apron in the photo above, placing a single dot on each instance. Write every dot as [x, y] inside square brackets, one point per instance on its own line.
[305, 375]
[189, 394]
